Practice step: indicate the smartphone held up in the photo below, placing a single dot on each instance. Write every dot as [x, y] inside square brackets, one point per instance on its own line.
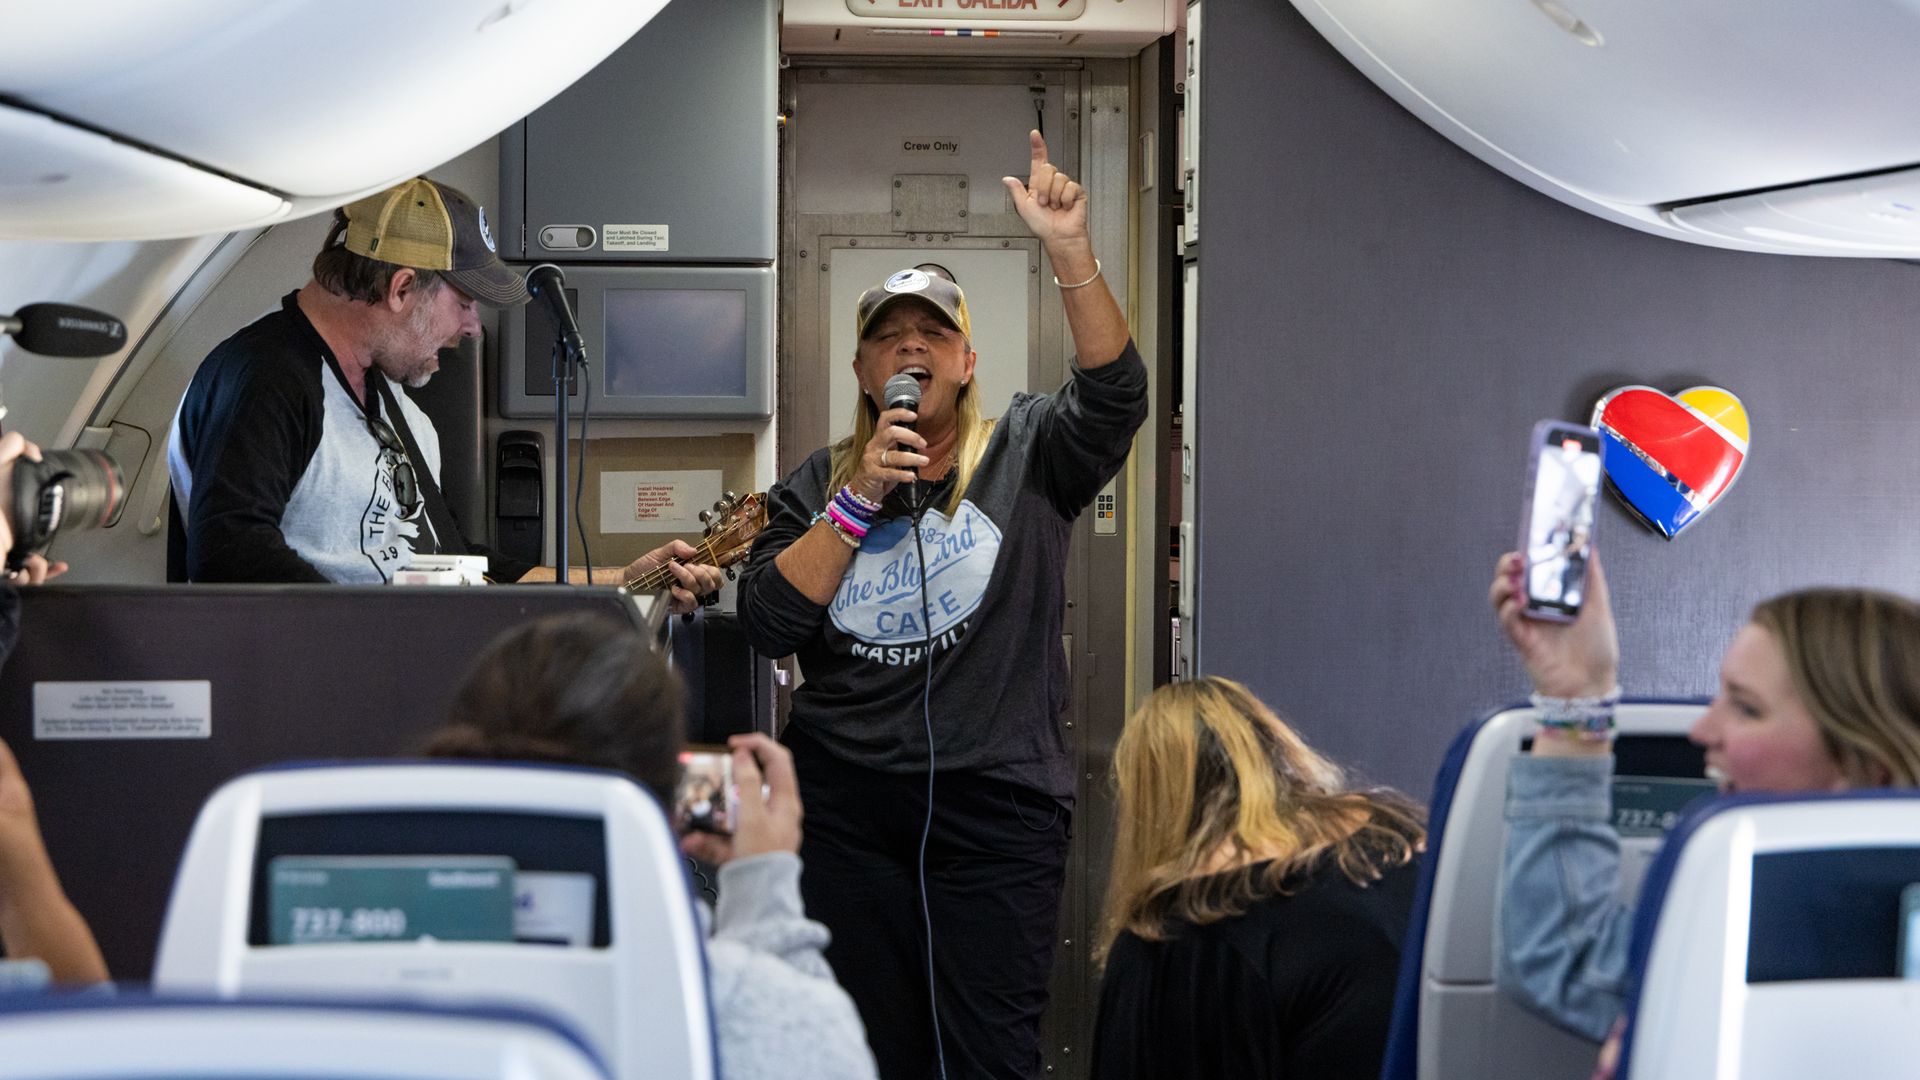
[1556, 526]
[706, 799]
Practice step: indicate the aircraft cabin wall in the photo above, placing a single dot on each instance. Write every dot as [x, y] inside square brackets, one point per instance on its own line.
[1379, 326]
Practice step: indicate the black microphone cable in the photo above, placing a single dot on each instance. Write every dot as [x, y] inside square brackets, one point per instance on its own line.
[580, 472]
[926, 828]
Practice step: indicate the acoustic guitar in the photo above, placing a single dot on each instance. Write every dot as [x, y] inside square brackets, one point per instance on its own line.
[731, 526]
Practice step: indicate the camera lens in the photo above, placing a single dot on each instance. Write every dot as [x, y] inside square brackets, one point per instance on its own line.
[64, 491]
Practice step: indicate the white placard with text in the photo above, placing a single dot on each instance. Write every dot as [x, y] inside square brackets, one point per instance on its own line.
[165, 709]
[635, 238]
[657, 502]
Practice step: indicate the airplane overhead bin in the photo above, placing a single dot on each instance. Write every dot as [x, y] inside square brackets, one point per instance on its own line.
[961, 28]
[135, 121]
[1778, 127]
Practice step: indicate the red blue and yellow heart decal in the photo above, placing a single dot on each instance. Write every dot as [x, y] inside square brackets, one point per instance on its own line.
[1671, 458]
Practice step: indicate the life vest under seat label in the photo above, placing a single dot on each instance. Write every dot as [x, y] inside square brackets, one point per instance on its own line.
[162, 709]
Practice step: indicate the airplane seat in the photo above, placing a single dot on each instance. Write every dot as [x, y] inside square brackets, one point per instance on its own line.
[555, 888]
[1450, 1019]
[1768, 939]
[138, 1036]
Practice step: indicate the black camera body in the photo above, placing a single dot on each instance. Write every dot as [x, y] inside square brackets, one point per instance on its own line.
[65, 491]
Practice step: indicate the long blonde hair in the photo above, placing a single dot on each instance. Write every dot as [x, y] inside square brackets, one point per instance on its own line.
[1210, 783]
[969, 442]
[1854, 655]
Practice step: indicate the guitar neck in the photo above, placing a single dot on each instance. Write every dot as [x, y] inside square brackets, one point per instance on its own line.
[660, 576]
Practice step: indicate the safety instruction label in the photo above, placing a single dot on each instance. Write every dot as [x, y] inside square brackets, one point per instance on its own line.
[656, 502]
[633, 238]
[167, 709]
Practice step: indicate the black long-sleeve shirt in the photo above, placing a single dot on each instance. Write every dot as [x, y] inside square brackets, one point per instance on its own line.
[996, 593]
[1296, 986]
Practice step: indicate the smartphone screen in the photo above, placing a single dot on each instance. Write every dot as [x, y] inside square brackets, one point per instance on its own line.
[1910, 932]
[705, 800]
[1557, 529]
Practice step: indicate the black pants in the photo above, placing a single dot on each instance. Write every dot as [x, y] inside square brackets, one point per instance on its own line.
[996, 860]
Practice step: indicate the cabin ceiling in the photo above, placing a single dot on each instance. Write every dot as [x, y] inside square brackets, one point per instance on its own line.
[132, 121]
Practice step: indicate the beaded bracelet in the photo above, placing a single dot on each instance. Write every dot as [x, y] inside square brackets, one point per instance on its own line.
[840, 518]
[1589, 719]
[857, 499]
[850, 503]
[838, 530]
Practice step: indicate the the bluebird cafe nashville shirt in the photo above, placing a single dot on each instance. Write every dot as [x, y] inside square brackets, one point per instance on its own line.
[995, 594]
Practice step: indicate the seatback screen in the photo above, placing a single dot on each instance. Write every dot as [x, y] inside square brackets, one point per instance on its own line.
[402, 876]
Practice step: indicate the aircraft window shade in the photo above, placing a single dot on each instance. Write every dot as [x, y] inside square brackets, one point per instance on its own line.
[570, 849]
[676, 342]
[1830, 914]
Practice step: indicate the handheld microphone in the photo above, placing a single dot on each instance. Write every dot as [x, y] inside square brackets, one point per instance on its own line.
[548, 285]
[903, 392]
[65, 330]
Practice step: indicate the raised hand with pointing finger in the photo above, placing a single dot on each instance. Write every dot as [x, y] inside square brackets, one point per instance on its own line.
[1054, 207]
[1052, 204]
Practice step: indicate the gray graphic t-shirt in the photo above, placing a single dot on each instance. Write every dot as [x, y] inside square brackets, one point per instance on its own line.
[276, 475]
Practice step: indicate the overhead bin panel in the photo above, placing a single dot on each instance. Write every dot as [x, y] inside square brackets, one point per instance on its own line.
[668, 152]
[961, 28]
[316, 101]
[1876, 215]
[1624, 108]
[60, 182]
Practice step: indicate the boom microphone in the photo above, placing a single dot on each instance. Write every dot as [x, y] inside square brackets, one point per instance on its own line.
[65, 330]
[548, 285]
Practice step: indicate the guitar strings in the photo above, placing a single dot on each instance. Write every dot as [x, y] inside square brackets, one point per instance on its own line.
[659, 575]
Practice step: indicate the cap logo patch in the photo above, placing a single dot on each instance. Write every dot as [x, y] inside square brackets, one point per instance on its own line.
[907, 281]
[486, 234]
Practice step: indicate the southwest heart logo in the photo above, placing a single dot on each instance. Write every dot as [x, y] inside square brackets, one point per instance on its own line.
[1671, 457]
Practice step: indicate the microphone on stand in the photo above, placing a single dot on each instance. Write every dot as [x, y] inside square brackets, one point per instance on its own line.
[546, 284]
[65, 330]
[903, 392]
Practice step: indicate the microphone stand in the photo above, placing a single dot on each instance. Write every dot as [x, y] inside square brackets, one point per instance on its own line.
[549, 284]
[562, 405]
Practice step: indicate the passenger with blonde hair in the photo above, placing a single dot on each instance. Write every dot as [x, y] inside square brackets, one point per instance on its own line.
[1819, 691]
[917, 571]
[1257, 902]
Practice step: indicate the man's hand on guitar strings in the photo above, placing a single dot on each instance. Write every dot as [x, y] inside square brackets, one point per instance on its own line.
[691, 580]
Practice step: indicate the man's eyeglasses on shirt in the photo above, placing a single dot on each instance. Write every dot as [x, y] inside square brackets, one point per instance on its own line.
[406, 487]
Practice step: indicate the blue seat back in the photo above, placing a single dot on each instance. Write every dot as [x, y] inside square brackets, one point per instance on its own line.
[135, 1036]
[1767, 937]
[633, 978]
[1450, 1020]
